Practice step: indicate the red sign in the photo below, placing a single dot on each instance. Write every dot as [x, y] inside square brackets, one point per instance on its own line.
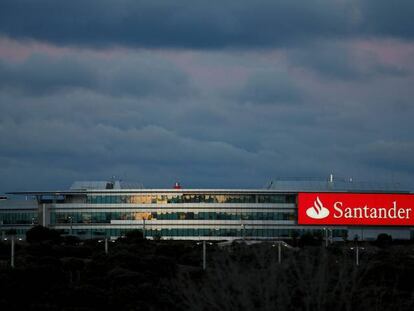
[356, 209]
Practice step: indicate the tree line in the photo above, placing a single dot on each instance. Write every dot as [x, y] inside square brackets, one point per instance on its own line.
[55, 272]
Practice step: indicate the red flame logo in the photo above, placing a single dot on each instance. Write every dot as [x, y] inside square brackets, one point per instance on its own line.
[317, 211]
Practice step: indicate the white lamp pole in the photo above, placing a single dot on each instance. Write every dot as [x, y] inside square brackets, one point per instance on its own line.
[279, 251]
[326, 236]
[143, 228]
[12, 251]
[71, 221]
[204, 255]
[243, 231]
[357, 248]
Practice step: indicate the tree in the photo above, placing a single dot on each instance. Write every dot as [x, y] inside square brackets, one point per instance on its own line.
[157, 237]
[309, 238]
[39, 234]
[134, 236]
[384, 239]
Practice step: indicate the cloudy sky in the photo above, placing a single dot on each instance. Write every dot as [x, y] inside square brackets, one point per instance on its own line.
[229, 93]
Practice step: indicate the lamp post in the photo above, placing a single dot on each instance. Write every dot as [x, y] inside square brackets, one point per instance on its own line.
[279, 251]
[71, 222]
[243, 231]
[357, 248]
[106, 244]
[143, 228]
[204, 253]
[328, 236]
[12, 251]
[12, 234]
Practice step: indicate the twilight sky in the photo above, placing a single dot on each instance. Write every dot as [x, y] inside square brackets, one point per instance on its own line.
[229, 93]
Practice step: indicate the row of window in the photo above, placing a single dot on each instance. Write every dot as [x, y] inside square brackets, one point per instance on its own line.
[20, 232]
[106, 217]
[190, 232]
[186, 198]
[18, 218]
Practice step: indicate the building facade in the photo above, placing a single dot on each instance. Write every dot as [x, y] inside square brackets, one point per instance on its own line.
[111, 209]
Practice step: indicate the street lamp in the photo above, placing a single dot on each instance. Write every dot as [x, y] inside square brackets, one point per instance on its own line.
[106, 244]
[71, 222]
[279, 251]
[143, 228]
[12, 234]
[204, 253]
[328, 236]
[12, 251]
[357, 248]
[243, 231]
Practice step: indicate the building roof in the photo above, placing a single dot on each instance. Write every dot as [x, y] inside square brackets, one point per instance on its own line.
[105, 185]
[314, 185]
[282, 185]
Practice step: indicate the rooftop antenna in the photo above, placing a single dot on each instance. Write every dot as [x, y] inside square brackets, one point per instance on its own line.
[331, 178]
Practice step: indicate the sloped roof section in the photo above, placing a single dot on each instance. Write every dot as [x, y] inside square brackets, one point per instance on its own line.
[95, 185]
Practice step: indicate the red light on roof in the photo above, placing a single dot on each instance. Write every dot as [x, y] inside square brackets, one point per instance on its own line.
[177, 185]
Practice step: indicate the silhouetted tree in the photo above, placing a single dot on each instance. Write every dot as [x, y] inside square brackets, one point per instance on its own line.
[134, 236]
[309, 238]
[40, 234]
[312, 279]
[384, 240]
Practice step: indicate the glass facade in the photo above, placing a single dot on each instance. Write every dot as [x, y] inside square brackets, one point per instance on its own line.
[187, 198]
[218, 215]
[88, 217]
[18, 218]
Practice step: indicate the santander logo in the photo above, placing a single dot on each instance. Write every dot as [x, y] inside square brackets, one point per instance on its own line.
[317, 211]
[356, 209]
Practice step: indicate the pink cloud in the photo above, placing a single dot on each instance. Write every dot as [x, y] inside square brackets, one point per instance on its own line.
[389, 51]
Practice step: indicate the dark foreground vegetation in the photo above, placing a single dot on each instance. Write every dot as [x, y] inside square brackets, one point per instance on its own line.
[62, 273]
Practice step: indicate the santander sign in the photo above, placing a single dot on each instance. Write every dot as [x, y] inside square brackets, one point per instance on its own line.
[356, 209]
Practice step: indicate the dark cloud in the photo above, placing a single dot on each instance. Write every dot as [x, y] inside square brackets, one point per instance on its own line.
[269, 88]
[394, 156]
[200, 24]
[39, 76]
[152, 77]
[43, 75]
[338, 60]
[387, 18]
[157, 116]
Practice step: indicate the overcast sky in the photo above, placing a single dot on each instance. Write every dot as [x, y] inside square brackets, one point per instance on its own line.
[229, 93]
